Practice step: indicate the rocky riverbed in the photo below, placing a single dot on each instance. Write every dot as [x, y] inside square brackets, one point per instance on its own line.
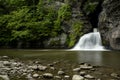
[16, 69]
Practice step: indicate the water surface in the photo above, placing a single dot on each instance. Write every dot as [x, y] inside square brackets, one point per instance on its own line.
[101, 58]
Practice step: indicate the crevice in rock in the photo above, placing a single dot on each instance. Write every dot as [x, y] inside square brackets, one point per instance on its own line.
[94, 17]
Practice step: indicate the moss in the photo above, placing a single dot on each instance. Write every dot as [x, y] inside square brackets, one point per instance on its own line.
[75, 33]
[64, 12]
[90, 7]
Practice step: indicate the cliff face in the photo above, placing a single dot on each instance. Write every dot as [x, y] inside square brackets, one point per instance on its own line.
[72, 29]
[109, 23]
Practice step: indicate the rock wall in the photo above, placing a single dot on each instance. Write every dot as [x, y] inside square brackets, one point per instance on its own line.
[109, 23]
[68, 37]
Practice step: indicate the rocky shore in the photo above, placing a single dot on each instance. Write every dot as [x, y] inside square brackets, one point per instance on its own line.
[16, 69]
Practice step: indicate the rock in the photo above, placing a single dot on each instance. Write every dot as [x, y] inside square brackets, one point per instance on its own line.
[115, 75]
[5, 57]
[5, 77]
[76, 69]
[14, 64]
[67, 76]
[24, 74]
[35, 75]
[1, 64]
[89, 76]
[48, 75]
[82, 73]
[61, 72]
[57, 77]
[51, 65]
[37, 62]
[35, 67]
[52, 68]
[56, 62]
[6, 68]
[29, 77]
[86, 66]
[109, 24]
[6, 63]
[77, 77]
[42, 68]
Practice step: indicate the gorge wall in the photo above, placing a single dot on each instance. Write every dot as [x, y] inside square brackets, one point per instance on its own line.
[109, 24]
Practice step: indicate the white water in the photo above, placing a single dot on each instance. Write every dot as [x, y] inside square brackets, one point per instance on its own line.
[90, 41]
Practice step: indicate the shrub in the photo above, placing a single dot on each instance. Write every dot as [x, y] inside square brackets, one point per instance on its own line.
[75, 33]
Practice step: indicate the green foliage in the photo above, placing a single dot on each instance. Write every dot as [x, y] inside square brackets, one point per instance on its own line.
[64, 12]
[35, 21]
[4, 31]
[75, 33]
[90, 7]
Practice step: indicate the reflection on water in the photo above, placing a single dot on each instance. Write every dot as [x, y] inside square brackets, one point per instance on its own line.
[102, 58]
[93, 57]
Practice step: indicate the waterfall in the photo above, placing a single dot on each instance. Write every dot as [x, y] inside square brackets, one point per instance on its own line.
[90, 41]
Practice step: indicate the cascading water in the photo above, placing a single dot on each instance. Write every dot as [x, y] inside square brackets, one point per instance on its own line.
[90, 41]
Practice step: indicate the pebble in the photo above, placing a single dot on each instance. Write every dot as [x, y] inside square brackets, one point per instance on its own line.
[34, 67]
[52, 68]
[82, 73]
[35, 75]
[51, 65]
[76, 69]
[67, 76]
[86, 66]
[29, 77]
[89, 76]
[5, 57]
[5, 77]
[48, 75]
[6, 63]
[61, 72]
[57, 77]
[77, 77]
[42, 68]
[115, 75]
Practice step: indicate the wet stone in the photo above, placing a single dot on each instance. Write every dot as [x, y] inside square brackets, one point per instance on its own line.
[57, 77]
[6, 63]
[35, 75]
[61, 72]
[77, 77]
[89, 76]
[48, 75]
[115, 75]
[67, 76]
[76, 69]
[86, 66]
[42, 68]
[82, 73]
